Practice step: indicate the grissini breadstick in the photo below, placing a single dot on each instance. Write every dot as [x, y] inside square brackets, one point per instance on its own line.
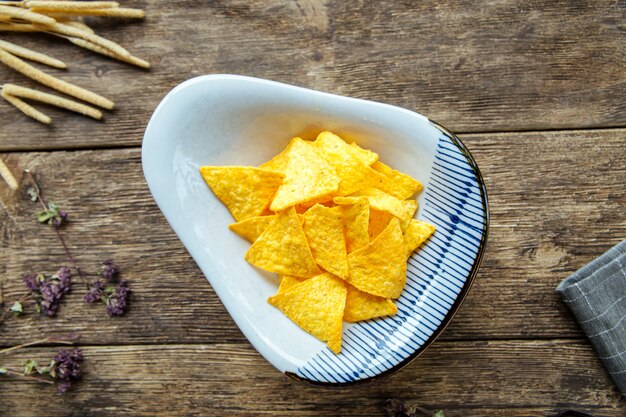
[27, 109]
[71, 5]
[91, 37]
[95, 48]
[53, 82]
[116, 12]
[7, 175]
[24, 14]
[29, 93]
[18, 27]
[31, 55]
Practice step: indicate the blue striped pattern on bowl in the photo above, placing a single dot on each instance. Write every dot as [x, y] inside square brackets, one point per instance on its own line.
[438, 276]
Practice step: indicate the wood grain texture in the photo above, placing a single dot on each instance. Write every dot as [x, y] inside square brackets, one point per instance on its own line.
[557, 201]
[475, 66]
[466, 379]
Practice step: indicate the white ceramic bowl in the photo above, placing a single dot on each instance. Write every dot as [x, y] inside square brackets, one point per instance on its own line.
[235, 120]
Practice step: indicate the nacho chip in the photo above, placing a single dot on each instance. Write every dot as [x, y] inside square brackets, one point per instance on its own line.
[307, 177]
[250, 229]
[245, 191]
[416, 234]
[378, 221]
[365, 155]
[317, 306]
[279, 162]
[288, 281]
[363, 306]
[323, 227]
[283, 248]
[396, 183]
[380, 200]
[380, 267]
[354, 174]
[356, 223]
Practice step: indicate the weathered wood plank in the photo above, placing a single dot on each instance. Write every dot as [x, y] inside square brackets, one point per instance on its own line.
[557, 201]
[514, 378]
[475, 67]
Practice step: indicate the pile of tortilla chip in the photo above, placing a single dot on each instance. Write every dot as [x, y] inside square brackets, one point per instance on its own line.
[335, 223]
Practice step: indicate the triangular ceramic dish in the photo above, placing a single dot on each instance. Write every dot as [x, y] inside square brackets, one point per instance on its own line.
[235, 120]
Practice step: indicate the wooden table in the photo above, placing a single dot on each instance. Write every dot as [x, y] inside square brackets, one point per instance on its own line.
[535, 90]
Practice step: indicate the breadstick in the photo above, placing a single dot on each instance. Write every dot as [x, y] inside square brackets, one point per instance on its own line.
[18, 27]
[79, 33]
[31, 55]
[18, 13]
[27, 109]
[95, 48]
[115, 12]
[78, 25]
[8, 177]
[29, 93]
[71, 5]
[53, 82]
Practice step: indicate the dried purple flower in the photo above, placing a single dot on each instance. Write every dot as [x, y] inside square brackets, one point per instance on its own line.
[109, 270]
[117, 302]
[49, 291]
[66, 368]
[52, 215]
[95, 292]
[31, 282]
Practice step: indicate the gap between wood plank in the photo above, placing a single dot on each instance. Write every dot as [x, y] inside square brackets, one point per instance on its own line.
[467, 133]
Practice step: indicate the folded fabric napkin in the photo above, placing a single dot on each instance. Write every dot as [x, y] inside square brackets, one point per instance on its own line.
[596, 294]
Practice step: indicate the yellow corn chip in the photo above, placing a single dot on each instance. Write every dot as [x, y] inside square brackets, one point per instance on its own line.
[380, 200]
[279, 162]
[356, 221]
[250, 229]
[354, 174]
[416, 234]
[363, 306]
[307, 177]
[245, 191]
[323, 227]
[365, 155]
[380, 267]
[396, 183]
[378, 221]
[316, 305]
[283, 248]
[288, 281]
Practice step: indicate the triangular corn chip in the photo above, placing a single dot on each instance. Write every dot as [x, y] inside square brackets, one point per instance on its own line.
[250, 229]
[307, 177]
[354, 174]
[283, 248]
[323, 227]
[416, 234]
[380, 200]
[317, 306]
[396, 183]
[245, 191]
[279, 162]
[356, 224]
[363, 306]
[380, 267]
[365, 155]
[378, 222]
[288, 281]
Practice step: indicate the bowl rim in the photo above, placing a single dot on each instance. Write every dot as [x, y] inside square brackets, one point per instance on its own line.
[462, 294]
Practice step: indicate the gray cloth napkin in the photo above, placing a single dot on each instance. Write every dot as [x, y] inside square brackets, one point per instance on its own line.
[596, 294]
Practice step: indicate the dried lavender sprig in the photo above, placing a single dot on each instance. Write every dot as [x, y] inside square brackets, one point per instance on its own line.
[56, 229]
[68, 339]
